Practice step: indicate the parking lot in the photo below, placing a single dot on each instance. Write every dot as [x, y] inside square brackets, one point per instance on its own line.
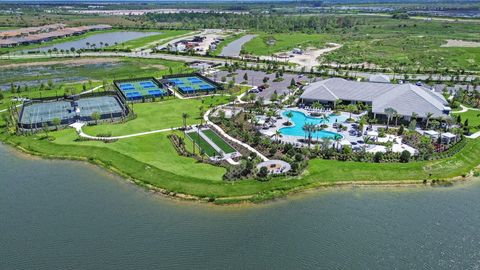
[255, 78]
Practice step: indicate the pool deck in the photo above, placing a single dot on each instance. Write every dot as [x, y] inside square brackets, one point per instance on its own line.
[295, 139]
[398, 145]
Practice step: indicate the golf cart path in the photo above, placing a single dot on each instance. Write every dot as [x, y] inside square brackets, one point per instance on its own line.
[465, 109]
[78, 127]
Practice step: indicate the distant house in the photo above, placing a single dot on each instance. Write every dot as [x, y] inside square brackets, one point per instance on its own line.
[406, 99]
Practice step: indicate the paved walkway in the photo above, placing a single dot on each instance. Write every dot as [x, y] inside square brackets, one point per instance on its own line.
[78, 127]
[465, 109]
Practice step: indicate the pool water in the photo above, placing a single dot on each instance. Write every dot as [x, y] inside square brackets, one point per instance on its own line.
[299, 119]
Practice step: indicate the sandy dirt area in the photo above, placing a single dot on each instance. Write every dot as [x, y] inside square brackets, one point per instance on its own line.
[79, 62]
[461, 43]
[308, 59]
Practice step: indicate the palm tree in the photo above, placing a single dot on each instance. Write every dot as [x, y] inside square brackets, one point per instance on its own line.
[185, 116]
[96, 116]
[337, 141]
[325, 118]
[56, 122]
[428, 116]
[317, 105]
[396, 115]
[389, 112]
[201, 112]
[289, 115]
[278, 134]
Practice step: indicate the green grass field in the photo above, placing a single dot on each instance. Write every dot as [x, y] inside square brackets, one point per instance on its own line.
[284, 42]
[406, 44]
[204, 145]
[159, 115]
[473, 117]
[226, 148]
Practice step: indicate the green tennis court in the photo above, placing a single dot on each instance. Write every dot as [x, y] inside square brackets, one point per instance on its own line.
[204, 145]
[226, 148]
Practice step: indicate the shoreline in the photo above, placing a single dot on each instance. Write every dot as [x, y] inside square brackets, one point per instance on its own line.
[253, 199]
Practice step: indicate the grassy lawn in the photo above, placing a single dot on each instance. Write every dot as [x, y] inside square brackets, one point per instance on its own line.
[473, 119]
[386, 42]
[204, 145]
[462, 162]
[159, 115]
[154, 150]
[284, 42]
[226, 148]
[140, 42]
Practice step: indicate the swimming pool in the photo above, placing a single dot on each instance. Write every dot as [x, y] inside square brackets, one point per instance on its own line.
[299, 119]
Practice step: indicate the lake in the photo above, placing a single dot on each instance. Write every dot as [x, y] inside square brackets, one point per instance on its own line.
[70, 215]
[109, 37]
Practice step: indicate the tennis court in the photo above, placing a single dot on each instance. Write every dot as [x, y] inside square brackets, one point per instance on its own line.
[138, 89]
[192, 84]
[69, 111]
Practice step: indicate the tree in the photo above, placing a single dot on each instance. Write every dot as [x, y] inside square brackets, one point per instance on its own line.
[278, 134]
[289, 115]
[317, 105]
[428, 116]
[389, 112]
[263, 172]
[56, 121]
[378, 157]
[405, 156]
[96, 116]
[201, 111]
[292, 83]
[245, 76]
[412, 125]
[185, 116]
[45, 129]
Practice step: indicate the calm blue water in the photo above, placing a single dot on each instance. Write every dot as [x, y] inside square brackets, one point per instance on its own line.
[111, 38]
[299, 119]
[68, 215]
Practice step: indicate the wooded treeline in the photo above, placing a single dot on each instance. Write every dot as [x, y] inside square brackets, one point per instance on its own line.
[259, 22]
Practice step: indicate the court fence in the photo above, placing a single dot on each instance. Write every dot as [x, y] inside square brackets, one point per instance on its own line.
[120, 115]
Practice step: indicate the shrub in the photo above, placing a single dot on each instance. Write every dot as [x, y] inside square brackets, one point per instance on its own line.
[378, 157]
[263, 172]
[405, 156]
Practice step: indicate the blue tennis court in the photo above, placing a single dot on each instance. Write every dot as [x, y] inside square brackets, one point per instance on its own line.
[191, 85]
[139, 89]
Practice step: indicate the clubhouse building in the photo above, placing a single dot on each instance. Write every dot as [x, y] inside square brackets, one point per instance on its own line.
[405, 99]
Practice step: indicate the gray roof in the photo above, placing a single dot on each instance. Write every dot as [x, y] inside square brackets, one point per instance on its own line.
[404, 98]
